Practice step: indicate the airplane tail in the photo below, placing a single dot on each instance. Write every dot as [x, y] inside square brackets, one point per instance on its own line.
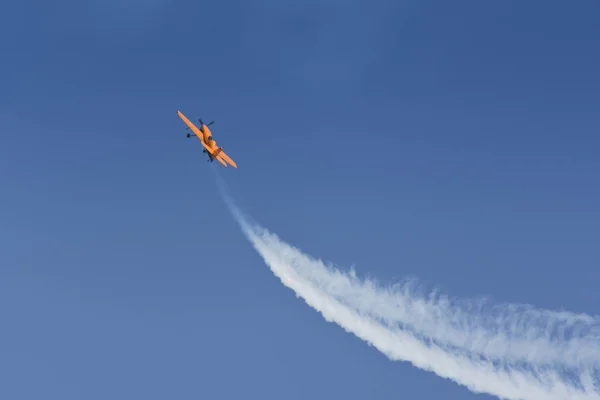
[220, 155]
[216, 156]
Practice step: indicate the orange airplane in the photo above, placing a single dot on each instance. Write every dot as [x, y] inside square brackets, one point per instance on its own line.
[210, 146]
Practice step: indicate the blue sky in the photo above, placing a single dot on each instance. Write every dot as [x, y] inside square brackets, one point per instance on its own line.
[452, 141]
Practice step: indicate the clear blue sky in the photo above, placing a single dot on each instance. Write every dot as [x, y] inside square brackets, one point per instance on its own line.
[457, 142]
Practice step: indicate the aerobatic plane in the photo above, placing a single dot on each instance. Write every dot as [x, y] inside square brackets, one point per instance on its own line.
[210, 145]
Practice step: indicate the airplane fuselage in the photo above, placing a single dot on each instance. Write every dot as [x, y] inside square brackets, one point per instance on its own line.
[208, 139]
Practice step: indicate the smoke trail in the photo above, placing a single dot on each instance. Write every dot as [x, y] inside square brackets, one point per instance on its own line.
[398, 322]
[519, 333]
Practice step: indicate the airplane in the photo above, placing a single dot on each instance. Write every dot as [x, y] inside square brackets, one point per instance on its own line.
[210, 145]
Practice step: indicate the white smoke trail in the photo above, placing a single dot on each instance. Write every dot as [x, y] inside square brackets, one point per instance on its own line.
[439, 336]
[520, 333]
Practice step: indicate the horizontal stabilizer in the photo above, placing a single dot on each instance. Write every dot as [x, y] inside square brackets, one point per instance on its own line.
[227, 158]
[219, 159]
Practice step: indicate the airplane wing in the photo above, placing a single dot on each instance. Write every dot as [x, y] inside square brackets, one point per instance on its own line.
[192, 127]
[227, 158]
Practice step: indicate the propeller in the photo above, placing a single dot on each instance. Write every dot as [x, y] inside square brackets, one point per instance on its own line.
[202, 123]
